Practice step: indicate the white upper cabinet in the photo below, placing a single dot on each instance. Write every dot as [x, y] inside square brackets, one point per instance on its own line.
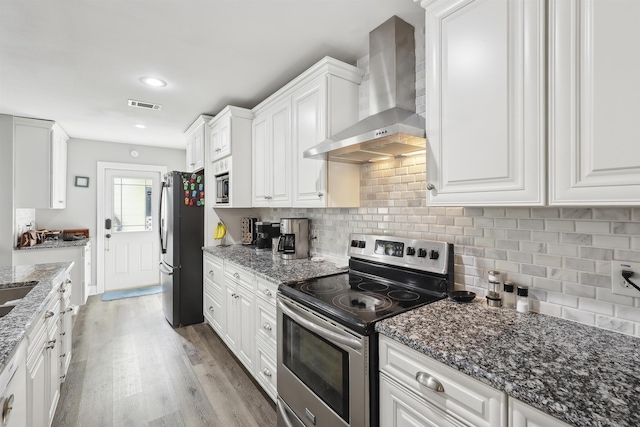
[594, 64]
[271, 155]
[40, 164]
[315, 105]
[195, 143]
[485, 108]
[325, 105]
[228, 153]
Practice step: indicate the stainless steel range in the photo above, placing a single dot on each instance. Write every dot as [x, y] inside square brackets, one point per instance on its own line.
[327, 346]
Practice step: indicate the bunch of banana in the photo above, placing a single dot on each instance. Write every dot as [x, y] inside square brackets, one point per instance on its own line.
[221, 231]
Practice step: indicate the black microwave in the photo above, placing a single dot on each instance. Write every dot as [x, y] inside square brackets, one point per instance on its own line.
[222, 188]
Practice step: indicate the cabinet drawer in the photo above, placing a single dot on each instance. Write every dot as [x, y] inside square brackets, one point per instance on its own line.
[266, 371]
[44, 327]
[467, 398]
[400, 407]
[266, 326]
[213, 287]
[212, 269]
[266, 290]
[238, 274]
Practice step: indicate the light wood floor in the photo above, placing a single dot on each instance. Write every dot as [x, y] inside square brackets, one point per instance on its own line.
[131, 368]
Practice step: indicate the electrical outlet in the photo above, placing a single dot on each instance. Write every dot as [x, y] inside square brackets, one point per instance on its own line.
[619, 286]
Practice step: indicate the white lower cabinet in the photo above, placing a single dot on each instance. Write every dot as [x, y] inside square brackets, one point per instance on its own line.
[439, 387]
[401, 408]
[416, 390]
[43, 366]
[13, 390]
[523, 415]
[240, 307]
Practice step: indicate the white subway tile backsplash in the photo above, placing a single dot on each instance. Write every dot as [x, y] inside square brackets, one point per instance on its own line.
[562, 254]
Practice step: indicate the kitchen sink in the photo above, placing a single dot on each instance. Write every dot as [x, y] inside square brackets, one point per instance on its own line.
[16, 292]
[5, 309]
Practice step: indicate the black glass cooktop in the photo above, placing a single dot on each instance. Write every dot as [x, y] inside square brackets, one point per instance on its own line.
[356, 300]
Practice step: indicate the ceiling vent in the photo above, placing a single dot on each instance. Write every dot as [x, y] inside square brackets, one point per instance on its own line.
[145, 105]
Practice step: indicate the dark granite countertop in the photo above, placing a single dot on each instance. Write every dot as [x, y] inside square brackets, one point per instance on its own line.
[274, 268]
[55, 244]
[14, 326]
[580, 374]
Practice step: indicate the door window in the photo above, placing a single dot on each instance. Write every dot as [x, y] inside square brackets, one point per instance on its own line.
[132, 205]
[319, 364]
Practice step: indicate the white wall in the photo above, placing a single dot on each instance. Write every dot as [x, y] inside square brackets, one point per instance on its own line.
[82, 158]
[6, 190]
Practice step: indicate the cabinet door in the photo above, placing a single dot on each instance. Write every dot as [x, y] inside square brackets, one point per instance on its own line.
[232, 325]
[198, 149]
[191, 163]
[225, 137]
[594, 66]
[38, 405]
[33, 158]
[214, 142]
[523, 415]
[245, 315]
[52, 359]
[401, 408]
[58, 170]
[309, 128]
[485, 110]
[262, 155]
[281, 166]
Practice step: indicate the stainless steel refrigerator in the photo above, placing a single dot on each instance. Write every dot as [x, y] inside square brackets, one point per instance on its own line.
[181, 238]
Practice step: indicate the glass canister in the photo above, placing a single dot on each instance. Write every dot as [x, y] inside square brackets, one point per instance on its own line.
[509, 296]
[494, 298]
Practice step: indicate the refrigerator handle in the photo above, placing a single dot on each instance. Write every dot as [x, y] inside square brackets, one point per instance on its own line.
[164, 270]
[163, 249]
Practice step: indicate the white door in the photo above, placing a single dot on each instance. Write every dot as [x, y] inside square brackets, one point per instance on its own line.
[131, 248]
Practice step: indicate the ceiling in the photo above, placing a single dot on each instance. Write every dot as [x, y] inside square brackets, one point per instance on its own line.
[78, 62]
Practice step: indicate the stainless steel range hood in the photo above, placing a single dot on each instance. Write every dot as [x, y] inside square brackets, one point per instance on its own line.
[393, 128]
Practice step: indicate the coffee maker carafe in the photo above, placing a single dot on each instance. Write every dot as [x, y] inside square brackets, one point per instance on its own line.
[294, 238]
[266, 232]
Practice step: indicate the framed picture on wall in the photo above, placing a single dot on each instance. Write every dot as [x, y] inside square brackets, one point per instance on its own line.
[82, 181]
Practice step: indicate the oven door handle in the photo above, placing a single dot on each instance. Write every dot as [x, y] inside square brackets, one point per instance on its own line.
[325, 333]
[283, 413]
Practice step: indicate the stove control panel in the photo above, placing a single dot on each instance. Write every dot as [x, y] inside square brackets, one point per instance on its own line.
[424, 255]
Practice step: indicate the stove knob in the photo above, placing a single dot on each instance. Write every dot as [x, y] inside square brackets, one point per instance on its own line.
[354, 243]
[411, 251]
[422, 253]
[434, 254]
[361, 243]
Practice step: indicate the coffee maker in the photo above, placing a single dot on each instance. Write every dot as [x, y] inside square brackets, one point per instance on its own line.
[266, 231]
[294, 238]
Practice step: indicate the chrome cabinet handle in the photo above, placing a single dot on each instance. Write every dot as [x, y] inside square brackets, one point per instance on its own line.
[48, 314]
[63, 355]
[63, 334]
[267, 292]
[233, 295]
[236, 275]
[266, 372]
[67, 281]
[211, 308]
[211, 273]
[267, 326]
[429, 382]
[51, 344]
[320, 194]
[62, 377]
[430, 186]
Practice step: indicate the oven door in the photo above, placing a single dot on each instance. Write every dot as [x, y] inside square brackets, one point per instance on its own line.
[322, 369]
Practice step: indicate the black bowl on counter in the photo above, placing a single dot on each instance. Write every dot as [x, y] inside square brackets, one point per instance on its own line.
[462, 296]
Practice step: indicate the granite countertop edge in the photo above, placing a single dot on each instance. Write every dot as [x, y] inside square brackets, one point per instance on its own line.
[16, 325]
[272, 268]
[58, 244]
[573, 406]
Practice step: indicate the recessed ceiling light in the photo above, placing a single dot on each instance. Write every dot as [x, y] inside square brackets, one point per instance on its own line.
[140, 126]
[153, 81]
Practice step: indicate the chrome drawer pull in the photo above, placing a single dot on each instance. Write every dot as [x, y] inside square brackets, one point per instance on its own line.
[236, 275]
[429, 382]
[267, 292]
[48, 314]
[266, 372]
[267, 326]
[211, 273]
[211, 309]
